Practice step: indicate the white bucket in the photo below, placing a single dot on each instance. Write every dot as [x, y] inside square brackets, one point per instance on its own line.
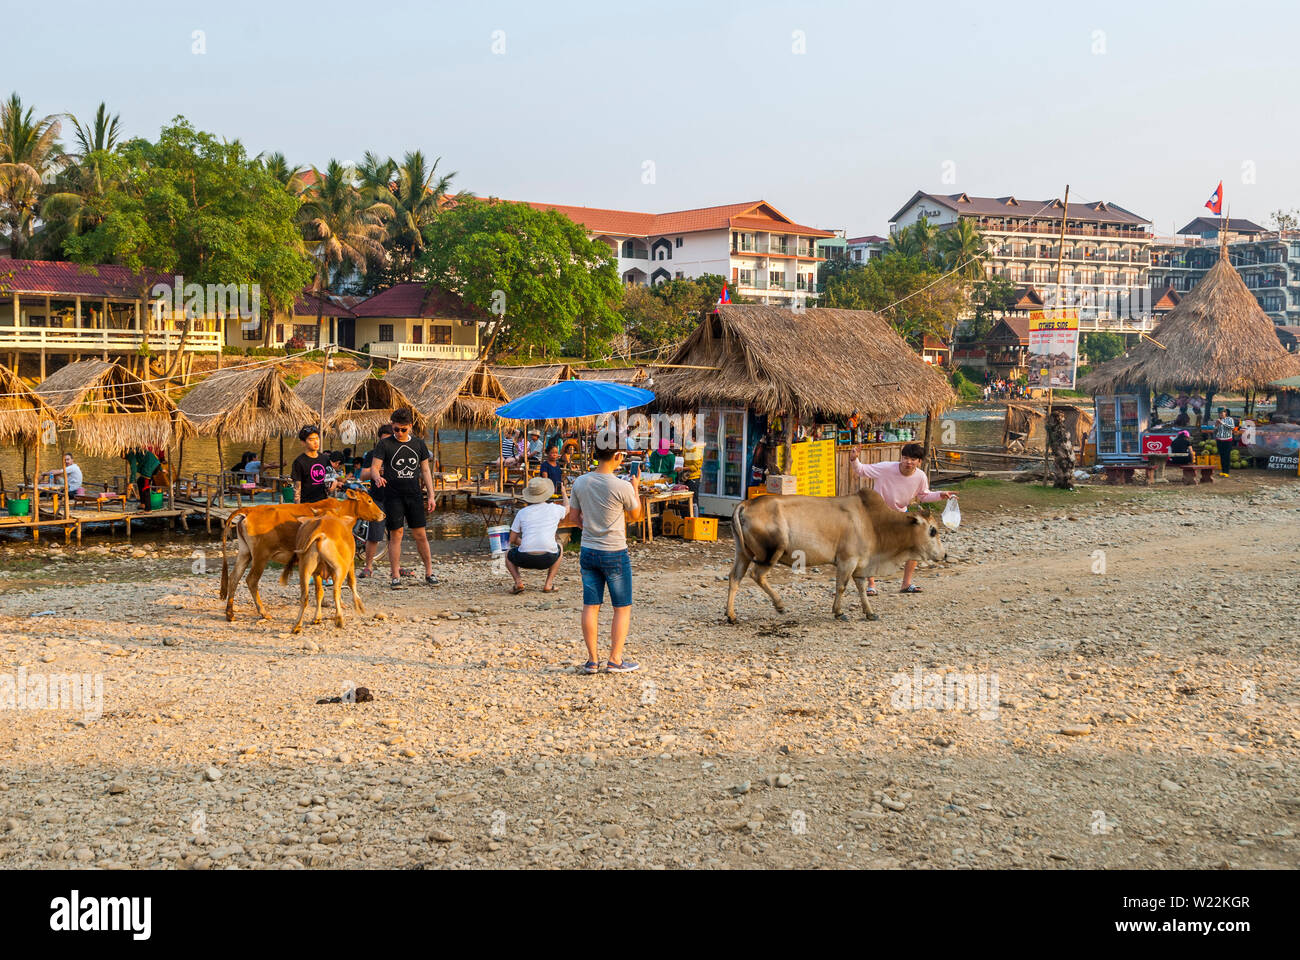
[498, 539]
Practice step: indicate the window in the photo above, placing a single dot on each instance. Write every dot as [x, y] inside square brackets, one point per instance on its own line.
[251, 333]
[440, 334]
[746, 277]
[776, 278]
[679, 242]
[385, 333]
[679, 276]
[307, 332]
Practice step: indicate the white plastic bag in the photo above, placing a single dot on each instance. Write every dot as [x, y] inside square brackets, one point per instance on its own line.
[952, 515]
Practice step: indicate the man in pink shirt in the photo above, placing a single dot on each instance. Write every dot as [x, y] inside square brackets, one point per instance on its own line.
[899, 483]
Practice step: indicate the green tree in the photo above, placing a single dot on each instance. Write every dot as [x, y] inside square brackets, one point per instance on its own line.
[1100, 347]
[30, 152]
[343, 226]
[659, 317]
[535, 272]
[914, 296]
[194, 205]
[961, 249]
[992, 298]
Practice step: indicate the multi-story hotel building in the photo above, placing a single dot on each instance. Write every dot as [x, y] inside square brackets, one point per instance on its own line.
[1269, 262]
[766, 256]
[1107, 250]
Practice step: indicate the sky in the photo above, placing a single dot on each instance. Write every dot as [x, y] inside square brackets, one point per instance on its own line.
[833, 112]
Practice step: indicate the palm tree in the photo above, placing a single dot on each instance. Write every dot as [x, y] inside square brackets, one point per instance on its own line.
[70, 208]
[293, 179]
[29, 153]
[924, 233]
[344, 226]
[417, 193]
[903, 242]
[962, 249]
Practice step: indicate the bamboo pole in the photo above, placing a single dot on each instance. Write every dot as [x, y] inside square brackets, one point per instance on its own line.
[1047, 419]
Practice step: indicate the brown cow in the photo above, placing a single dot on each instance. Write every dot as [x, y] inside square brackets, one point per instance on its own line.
[324, 543]
[269, 532]
[861, 534]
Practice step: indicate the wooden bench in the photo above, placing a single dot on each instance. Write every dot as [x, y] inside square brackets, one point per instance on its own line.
[1194, 473]
[1123, 472]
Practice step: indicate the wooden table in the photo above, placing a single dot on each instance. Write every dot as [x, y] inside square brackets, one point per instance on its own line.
[649, 499]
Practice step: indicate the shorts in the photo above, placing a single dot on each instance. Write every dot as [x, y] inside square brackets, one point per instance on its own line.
[606, 567]
[532, 561]
[405, 507]
[371, 531]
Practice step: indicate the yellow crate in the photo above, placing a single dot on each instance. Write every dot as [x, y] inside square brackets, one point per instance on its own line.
[672, 524]
[700, 528]
[756, 492]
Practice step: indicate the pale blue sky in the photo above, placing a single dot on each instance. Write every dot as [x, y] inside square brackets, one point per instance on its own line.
[1012, 94]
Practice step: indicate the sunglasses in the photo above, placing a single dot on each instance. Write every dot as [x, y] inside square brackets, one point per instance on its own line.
[401, 429]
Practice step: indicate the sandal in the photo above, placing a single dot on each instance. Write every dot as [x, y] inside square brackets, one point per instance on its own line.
[872, 592]
[912, 589]
[363, 574]
[548, 589]
[405, 572]
[517, 589]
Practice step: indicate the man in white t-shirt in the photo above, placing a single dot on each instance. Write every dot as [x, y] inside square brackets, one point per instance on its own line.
[532, 535]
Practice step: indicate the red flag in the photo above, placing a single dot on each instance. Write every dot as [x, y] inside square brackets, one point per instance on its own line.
[724, 297]
[1215, 203]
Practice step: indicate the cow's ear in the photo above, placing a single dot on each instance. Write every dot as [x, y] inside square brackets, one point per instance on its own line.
[916, 519]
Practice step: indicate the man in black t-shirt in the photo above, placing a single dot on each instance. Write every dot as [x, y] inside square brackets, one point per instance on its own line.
[397, 466]
[309, 469]
[374, 528]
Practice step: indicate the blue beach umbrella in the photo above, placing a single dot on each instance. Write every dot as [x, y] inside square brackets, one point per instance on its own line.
[572, 399]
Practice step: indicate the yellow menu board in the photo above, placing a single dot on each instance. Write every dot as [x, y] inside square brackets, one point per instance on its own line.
[813, 466]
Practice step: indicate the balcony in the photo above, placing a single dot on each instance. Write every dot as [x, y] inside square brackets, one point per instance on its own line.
[422, 351]
[110, 340]
[1054, 229]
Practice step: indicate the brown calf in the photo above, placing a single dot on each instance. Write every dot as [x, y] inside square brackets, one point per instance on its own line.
[324, 544]
[270, 532]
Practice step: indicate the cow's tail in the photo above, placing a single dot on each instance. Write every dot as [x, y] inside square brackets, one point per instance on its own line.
[745, 542]
[293, 559]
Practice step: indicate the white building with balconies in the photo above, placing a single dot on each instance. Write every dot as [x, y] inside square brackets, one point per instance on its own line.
[765, 256]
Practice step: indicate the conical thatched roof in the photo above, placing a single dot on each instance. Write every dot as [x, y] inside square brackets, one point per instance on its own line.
[444, 392]
[517, 381]
[110, 408]
[21, 410]
[818, 361]
[1217, 338]
[355, 395]
[246, 404]
[626, 375]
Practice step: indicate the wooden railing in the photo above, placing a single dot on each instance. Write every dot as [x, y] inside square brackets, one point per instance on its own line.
[77, 339]
[423, 351]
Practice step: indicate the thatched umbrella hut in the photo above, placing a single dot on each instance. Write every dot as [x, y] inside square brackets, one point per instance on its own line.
[450, 393]
[1216, 339]
[23, 415]
[746, 362]
[630, 376]
[247, 404]
[356, 395]
[517, 381]
[111, 410]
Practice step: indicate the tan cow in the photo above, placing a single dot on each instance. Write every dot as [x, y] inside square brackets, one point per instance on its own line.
[324, 544]
[269, 532]
[861, 534]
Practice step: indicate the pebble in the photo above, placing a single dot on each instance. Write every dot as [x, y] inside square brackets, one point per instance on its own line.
[612, 831]
[212, 774]
[1077, 730]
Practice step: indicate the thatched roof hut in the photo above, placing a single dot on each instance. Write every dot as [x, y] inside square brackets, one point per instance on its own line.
[445, 392]
[368, 401]
[1217, 338]
[818, 361]
[246, 404]
[517, 381]
[110, 408]
[21, 410]
[630, 376]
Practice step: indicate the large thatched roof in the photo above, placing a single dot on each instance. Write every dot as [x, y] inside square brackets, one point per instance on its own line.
[110, 409]
[463, 392]
[517, 381]
[817, 361]
[1217, 338]
[21, 410]
[246, 404]
[355, 395]
[626, 375]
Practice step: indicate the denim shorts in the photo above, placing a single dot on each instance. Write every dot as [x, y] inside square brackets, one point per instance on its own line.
[601, 567]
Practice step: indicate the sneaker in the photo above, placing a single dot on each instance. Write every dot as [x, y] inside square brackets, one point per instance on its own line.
[591, 666]
[397, 584]
[627, 666]
[431, 580]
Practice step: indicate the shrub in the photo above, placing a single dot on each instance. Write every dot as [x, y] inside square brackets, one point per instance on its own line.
[295, 343]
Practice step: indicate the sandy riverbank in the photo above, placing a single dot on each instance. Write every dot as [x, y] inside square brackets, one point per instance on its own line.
[780, 741]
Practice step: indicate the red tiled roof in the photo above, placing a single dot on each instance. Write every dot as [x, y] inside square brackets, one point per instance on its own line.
[931, 342]
[628, 223]
[416, 300]
[868, 239]
[308, 304]
[57, 278]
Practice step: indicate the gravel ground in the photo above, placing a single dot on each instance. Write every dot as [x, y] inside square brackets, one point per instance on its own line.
[1131, 666]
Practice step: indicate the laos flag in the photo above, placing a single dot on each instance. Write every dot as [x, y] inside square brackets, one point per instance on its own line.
[1215, 203]
[725, 297]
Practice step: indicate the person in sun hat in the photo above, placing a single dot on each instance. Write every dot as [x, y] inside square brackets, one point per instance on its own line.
[532, 534]
[1180, 451]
